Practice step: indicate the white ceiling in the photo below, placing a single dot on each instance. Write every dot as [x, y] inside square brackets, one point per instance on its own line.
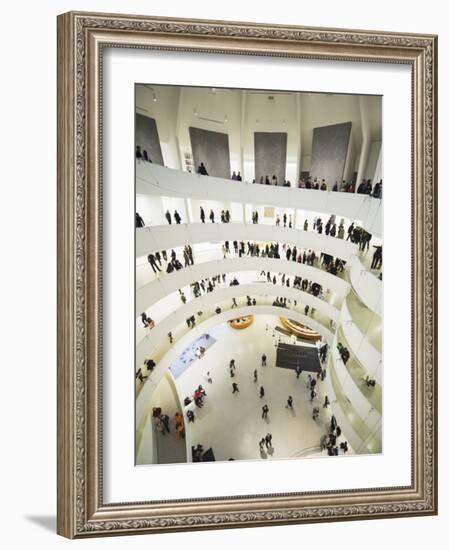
[241, 113]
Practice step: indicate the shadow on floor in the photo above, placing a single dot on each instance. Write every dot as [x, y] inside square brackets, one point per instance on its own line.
[46, 522]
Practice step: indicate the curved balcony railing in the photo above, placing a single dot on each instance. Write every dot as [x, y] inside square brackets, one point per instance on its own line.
[360, 400]
[169, 316]
[164, 237]
[358, 373]
[364, 439]
[155, 290]
[358, 340]
[367, 286]
[152, 179]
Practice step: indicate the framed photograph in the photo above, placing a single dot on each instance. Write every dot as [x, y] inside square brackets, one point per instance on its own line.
[247, 315]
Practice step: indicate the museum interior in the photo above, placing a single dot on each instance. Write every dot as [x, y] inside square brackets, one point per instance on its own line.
[258, 277]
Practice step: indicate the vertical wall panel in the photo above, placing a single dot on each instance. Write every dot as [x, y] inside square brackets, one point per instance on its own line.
[212, 148]
[329, 150]
[270, 155]
[147, 137]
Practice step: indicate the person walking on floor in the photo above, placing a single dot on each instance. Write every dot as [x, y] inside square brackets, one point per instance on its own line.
[326, 402]
[202, 215]
[165, 420]
[168, 216]
[209, 377]
[232, 367]
[265, 410]
[235, 388]
[289, 402]
[261, 445]
[298, 371]
[255, 375]
[152, 261]
[261, 392]
[268, 439]
[177, 217]
[264, 360]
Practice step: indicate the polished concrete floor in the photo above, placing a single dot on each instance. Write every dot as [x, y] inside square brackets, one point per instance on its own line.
[232, 424]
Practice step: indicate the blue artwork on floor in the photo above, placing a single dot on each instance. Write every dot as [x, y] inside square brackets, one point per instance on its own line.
[191, 354]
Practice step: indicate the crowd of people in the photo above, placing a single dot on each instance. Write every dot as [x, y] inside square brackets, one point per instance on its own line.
[330, 441]
[209, 284]
[365, 187]
[172, 264]
[257, 249]
[355, 234]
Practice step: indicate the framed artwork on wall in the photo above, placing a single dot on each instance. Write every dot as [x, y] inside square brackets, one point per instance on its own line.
[247, 315]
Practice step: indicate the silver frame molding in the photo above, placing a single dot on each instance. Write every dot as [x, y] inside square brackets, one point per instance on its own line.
[81, 39]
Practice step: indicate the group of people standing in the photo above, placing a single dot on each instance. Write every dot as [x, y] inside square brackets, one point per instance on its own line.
[155, 260]
[176, 217]
[162, 422]
[329, 441]
[365, 187]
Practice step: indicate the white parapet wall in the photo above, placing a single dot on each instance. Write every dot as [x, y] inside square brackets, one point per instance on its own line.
[168, 283]
[152, 179]
[163, 237]
[368, 356]
[367, 286]
[166, 320]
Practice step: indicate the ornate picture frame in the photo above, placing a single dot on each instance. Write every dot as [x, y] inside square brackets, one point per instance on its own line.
[82, 38]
